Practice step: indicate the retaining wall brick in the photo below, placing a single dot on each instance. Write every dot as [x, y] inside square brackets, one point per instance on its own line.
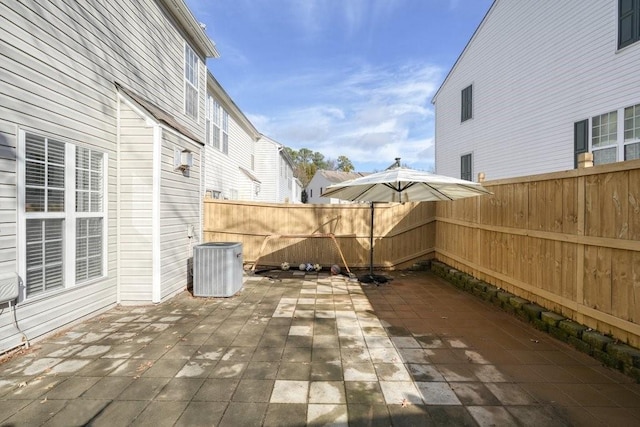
[551, 318]
[596, 339]
[572, 328]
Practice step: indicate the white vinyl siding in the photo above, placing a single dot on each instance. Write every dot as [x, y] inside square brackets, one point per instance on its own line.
[180, 204]
[223, 176]
[526, 101]
[136, 205]
[8, 199]
[274, 171]
[60, 60]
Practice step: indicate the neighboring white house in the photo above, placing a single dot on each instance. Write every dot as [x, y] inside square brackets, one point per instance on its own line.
[101, 133]
[538, 83]
[230, 169]
[324, 178]
[274, 168]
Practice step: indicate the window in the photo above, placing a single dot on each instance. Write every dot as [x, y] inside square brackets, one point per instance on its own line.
[89, 213]
[604, 137]
[632, 132]
[467, 103]
[217, 123]
[213, 194]
[225, 132]
[616, 135]
[63, 199]
[465, 167]
[190, 82]
[628, 22]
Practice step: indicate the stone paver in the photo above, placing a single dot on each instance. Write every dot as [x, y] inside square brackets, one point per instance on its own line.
[312, 349]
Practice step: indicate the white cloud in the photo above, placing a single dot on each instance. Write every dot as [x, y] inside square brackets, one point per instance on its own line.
[371, 115]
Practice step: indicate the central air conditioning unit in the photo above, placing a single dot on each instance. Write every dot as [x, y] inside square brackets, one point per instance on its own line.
[217, 269]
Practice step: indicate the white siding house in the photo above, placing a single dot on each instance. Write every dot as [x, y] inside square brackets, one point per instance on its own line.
[229, 171]
[538, 83]
[324, 178]
[274, 168]
[101, 131]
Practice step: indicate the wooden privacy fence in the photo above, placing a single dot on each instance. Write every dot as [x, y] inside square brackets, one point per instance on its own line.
[568, 241]
[403, 233]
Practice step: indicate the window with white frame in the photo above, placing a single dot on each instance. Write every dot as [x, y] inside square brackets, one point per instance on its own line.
[604, 137]
[63, 220]
[225, 131]
[616, 135]
[217, 125]
[213, 122]
[190, 82]
[632, 132]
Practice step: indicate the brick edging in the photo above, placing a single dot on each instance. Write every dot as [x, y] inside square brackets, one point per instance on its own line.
[605, 349]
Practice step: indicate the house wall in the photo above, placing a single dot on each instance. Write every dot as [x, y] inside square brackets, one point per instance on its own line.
[8, 202]
[274, 172]
[315, 187]
[59, 62]
[222, 171]
[180, 207]
[536, 68]
[267, 169]
[135, 246]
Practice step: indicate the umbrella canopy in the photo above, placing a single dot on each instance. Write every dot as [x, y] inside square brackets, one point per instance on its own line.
[400, 184]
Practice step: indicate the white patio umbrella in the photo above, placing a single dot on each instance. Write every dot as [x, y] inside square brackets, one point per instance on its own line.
[400, 184]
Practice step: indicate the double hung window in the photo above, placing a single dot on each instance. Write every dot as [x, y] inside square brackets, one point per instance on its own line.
[217, 125]
[63, 219]
[615, 135]
[190, 82]
[225, 132]
[213, 122]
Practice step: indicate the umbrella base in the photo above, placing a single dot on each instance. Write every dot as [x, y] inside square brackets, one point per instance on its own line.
[373, 278]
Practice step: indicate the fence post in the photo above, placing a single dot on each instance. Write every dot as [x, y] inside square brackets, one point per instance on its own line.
[585, 160]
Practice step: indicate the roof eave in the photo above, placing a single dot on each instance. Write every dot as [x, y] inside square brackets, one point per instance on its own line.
[184, 16]
[466, 47]
[226, 99]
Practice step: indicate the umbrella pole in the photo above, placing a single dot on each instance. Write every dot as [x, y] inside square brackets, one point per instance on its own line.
[371, 241]
[372, 278]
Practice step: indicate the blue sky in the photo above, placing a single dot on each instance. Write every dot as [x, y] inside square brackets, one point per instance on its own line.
[342, 77]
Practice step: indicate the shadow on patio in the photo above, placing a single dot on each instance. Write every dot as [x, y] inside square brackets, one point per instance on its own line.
[297, 349]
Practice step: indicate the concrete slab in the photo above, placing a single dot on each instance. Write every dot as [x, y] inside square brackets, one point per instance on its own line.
[313, 349]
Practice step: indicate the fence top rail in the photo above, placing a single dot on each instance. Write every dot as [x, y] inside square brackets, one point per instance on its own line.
[573, 173]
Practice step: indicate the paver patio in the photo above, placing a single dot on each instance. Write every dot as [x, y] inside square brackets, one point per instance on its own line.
[300, 349]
